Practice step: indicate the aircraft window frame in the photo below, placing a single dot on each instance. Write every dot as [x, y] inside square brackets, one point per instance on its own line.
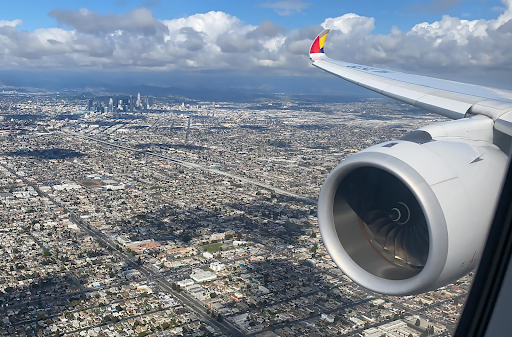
[478, 311]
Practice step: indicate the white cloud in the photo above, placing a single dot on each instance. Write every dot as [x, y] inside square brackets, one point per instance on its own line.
[212, 24]
[218, 40]
[350, 24]
[448, 43]
[12, 23]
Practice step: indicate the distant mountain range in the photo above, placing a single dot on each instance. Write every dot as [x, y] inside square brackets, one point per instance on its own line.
[208, 86]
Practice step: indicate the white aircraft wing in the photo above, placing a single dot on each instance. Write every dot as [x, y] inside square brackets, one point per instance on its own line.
[448, 98]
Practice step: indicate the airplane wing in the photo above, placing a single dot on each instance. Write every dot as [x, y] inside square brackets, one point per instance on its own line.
[448, 98]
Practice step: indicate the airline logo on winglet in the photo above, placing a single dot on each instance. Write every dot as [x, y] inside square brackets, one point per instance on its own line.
[318, 44]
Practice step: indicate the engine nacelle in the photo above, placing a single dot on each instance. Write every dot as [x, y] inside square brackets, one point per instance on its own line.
[409, 216]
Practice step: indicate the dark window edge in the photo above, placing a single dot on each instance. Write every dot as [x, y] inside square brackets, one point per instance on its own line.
[492, 268]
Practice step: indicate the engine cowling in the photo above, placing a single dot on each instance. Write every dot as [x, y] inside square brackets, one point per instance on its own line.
[405, 217]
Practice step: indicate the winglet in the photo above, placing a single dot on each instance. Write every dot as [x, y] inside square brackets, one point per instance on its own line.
[318, 45]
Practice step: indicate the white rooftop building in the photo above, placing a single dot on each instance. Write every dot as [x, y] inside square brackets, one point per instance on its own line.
[217, 266]
[201, 276]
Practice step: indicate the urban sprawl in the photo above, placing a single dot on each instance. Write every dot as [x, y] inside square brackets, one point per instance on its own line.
[160, 216]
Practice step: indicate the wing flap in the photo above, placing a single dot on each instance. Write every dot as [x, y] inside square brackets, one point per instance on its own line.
[377, 86]
[443, 106]
[404, 95]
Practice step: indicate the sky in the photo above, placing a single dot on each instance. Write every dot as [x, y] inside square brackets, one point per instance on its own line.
[254, 44]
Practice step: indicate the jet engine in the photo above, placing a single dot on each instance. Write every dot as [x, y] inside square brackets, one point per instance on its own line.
[412, 215]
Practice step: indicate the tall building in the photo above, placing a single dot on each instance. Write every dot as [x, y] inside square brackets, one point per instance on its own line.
[139, 102]
[111, 105]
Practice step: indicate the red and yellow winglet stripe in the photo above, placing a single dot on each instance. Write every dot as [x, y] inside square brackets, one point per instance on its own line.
[318, 44]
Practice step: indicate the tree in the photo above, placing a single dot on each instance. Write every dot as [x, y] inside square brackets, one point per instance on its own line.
[418, 322]
[213, 295]
[219, 318]
[186, 238]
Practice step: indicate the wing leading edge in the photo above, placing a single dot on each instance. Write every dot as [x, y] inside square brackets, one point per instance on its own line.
[448, 98]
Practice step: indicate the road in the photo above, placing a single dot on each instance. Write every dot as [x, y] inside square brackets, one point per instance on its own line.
[188, 302]
[307, 318]
[200, 167]
[450, 326]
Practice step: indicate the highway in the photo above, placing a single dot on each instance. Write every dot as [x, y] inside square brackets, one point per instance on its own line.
[200, 167]
[187, 301]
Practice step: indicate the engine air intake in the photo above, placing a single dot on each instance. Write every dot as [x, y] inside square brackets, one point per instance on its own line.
[376, 212]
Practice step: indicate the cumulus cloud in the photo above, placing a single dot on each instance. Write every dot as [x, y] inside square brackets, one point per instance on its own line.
[138, 20]
[351, 24]
[287, 7]
[136, 40]
[448, 43]
[12, 23]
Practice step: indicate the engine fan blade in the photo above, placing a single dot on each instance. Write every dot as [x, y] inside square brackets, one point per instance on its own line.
[410, 248]
[422, 229]
[377, 225]
[372, 216]
[391, 237]
[421, 244]
[380, 237]
[399, 247]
